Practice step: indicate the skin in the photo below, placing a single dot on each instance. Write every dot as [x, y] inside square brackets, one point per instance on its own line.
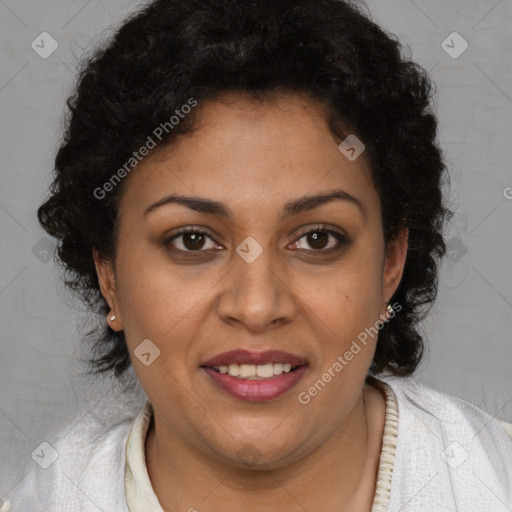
[254, 158]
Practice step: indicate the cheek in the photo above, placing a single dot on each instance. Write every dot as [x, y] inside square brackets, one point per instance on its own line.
[160, 305]
[146, 294]
[160, 301]
[345, 305]
[349, 294]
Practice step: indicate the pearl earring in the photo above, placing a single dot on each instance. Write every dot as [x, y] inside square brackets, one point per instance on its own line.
[112, 318]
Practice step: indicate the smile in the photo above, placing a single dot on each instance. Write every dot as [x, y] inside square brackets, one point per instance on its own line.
[255, 388]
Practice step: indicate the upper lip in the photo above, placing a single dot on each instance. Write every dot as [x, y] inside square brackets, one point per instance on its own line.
[256, 358]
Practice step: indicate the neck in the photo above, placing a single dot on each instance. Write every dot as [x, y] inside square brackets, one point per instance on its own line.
[340, 474]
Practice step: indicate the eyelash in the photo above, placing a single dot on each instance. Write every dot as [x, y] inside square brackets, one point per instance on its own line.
[341, 239]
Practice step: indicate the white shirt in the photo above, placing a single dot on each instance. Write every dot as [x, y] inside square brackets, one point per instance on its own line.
[439, 454]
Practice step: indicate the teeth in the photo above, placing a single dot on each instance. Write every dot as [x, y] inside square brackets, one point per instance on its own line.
[264, 370]
[234, 370]
[278, 368]
[252, 371]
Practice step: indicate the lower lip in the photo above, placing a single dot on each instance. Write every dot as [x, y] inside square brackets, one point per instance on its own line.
[257, 390]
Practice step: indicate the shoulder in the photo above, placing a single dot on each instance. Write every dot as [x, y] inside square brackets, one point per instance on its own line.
[449, 453]
[82, 470]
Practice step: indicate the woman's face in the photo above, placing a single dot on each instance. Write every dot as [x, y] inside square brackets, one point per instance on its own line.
[254, 281]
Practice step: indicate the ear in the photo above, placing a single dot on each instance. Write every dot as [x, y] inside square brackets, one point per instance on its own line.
[396, 253]
[107, 281]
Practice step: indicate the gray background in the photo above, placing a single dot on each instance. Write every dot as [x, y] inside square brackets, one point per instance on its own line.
[470, 352]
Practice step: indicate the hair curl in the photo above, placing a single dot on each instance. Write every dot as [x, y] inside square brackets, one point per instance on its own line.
[172, 50]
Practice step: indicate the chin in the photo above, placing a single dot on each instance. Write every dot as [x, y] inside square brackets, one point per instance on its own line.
[259, 452]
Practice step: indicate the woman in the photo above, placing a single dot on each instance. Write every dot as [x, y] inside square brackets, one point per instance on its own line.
[250, 194]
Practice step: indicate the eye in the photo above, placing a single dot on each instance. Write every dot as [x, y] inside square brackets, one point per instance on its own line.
[192, 240]
[321, 239]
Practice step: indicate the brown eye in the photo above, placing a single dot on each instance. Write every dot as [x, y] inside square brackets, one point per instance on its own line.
[193, 241]
[318, 239]
[190, 240]
[321, 239]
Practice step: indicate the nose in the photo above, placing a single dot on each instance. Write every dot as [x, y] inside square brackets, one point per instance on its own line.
[257, 295]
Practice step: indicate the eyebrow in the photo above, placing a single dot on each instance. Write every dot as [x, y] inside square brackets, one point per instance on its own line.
[293, 207]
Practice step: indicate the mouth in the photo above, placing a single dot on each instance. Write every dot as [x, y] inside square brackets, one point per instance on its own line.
[255, 377]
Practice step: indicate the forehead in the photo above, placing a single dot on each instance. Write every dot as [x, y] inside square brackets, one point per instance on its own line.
[242, 148]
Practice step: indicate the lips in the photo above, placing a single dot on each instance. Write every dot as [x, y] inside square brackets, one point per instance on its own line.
[256, 358]
[256, 390]
[288, 370]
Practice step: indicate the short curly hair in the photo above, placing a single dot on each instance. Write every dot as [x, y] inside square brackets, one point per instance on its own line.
[170, 51]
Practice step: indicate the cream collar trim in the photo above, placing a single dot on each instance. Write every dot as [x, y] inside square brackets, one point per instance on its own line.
[140, 496]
